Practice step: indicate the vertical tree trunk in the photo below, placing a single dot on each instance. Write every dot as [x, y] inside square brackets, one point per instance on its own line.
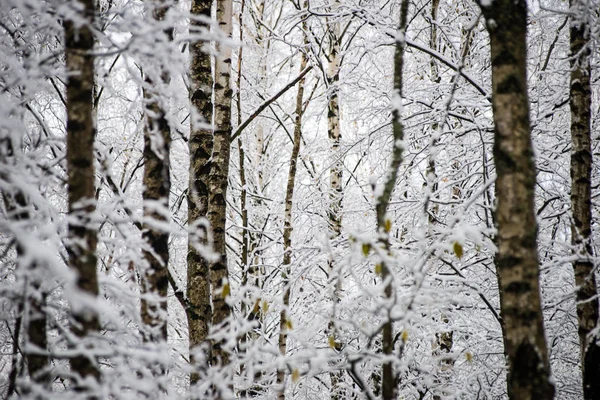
[200, 145]
[389, 384]
[517, 259]
[431, 180]
[250, 314]
[251, 250]
[335, 175]
[581, 175]
[333, 128]
[35, 320]
[38, 364]
[219, 173]
[81, 133]
[254, 271]
[242, 158]
[157, 187]
[284, 323]
[14, 365]
[435, 76]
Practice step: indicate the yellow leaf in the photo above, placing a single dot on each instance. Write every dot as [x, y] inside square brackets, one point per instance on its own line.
[331, 341]
[378, 269]
[288, 324]
[404, 336]
[295, 375]
[226, 290]
[265, 306]
[469, 356]
[256, 307]
[458, 249]
[366, 248]
[388, 226]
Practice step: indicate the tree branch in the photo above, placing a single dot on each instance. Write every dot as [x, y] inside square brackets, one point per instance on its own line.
[450, 65]
[266, 104]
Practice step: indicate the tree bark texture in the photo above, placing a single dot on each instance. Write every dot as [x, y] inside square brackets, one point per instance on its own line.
[333, 128]
[200, 145]
[157, 187]
[284, 322]
[389, 380]
[433, 41]
[219, 172]
[81, 133]
[517, 261]
[335, 176]
[581, 189]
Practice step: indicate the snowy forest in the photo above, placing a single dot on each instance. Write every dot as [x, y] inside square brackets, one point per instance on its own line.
[299, 199]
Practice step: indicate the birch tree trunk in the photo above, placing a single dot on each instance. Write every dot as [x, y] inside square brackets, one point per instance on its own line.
[433, 40]
[200, 145]
[431, 179]
[581, 175]
[219, 172]
[335, 177]
[333, 128]
[284, 322]
[262, 41]
[389, 382]
[81, 133]
[157, 187]
[517, 259]
[242, 157]
[250, 313]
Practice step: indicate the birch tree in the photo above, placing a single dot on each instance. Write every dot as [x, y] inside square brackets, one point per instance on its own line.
[285, 323]
[335, 173]
[389, 303]
[517, 259]
[81, 133]
[218, 180]
[34, 317]
[581, 188]
[200, 147]
[389, 378]
[157, 187]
